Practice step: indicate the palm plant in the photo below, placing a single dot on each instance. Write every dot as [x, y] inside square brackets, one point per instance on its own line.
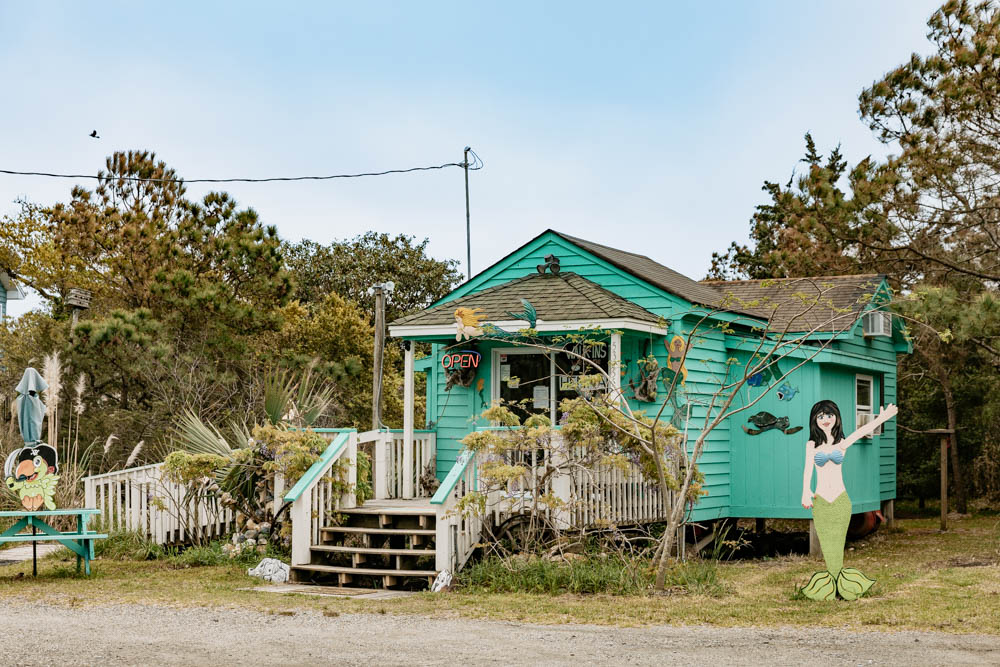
[295, 400]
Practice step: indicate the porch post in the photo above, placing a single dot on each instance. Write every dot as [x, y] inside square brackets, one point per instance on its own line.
[409, 476]
[615, 366]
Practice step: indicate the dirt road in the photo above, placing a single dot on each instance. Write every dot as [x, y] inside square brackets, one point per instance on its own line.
[141, 635]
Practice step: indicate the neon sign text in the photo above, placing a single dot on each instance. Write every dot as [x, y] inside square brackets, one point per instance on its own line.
[461, 359]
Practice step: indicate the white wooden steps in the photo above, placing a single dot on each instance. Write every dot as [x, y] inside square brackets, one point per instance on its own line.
[382, 543]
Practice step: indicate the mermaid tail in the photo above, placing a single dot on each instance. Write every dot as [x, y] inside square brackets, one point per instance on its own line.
[821, 587]
[851, 584]
[831, 520]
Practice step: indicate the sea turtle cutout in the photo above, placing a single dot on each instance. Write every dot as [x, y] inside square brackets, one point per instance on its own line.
[765, 421]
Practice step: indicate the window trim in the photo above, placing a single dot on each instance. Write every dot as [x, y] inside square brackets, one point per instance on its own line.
[886, 319]
[860, 410]
[495, 372]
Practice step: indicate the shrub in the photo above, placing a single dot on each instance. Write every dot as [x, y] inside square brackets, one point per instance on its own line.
[592, 573]
[698, 577]
[200, 556]
[127, 545]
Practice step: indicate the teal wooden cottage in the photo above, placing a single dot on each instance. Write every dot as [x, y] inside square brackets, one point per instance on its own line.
[753, 462]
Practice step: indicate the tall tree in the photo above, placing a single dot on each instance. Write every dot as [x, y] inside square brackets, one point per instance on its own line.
[943, 112]
[349, 268]
[812, 226]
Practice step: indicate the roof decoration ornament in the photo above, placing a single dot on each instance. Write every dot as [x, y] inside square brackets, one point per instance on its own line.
[468, 321]
[551, 263]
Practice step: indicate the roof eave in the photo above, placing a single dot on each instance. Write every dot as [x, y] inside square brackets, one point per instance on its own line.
[512, 326]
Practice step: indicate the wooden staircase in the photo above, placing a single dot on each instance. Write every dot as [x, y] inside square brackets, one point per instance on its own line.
[383, 544]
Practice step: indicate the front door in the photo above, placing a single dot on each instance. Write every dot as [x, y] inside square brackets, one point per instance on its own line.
[523, 379]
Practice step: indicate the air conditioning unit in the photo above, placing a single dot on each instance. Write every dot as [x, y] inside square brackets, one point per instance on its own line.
[877, 323]
[867, 418]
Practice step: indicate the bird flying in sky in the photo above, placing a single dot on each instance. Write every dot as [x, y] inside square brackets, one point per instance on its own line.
[94, 135]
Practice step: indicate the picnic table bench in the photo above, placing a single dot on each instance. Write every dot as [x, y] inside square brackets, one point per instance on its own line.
[80, 542]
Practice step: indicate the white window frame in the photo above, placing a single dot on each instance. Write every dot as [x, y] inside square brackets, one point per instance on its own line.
[881, 316]
[863, 414]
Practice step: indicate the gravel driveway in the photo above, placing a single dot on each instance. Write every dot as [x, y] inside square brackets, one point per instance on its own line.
[141, 635]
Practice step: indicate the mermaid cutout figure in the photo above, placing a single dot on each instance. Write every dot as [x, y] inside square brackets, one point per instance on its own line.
[831, 507]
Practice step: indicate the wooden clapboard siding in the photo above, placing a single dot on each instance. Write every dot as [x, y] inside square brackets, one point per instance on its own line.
[745, 475]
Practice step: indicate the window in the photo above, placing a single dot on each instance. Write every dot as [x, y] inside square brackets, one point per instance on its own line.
[863, 401]
[877, 323]
[533, 381]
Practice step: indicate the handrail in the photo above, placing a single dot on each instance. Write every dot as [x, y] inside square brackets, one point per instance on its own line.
[448, 485]
[317, 468]
[399, 430]
[327, 430]
[112, 473]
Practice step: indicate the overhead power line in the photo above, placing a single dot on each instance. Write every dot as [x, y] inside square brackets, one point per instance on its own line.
[478, 164]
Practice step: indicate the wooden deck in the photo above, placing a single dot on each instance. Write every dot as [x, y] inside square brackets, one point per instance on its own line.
[396, 506]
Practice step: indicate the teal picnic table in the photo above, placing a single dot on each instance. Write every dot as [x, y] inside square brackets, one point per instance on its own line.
[80, 542]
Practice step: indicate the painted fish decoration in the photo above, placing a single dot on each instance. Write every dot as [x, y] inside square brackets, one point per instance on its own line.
[786, 392]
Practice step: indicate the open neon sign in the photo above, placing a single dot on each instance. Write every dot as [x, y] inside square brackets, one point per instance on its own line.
[461, 359]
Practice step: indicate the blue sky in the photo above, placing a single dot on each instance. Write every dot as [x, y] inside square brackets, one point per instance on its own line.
[646, 126]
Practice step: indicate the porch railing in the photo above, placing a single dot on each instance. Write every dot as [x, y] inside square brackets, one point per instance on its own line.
[593, 496]
[314, 497]
[143, 500]
[457, 532]
[398, 467]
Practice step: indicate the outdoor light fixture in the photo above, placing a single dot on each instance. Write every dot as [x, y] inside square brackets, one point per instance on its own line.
[551, 263]
[385, 287]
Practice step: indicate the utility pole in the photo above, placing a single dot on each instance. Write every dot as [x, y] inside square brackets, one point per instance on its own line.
[468, 225]
[379, 291]
[379, 348]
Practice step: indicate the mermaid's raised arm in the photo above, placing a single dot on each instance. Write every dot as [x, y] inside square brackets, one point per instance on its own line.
[887, 413]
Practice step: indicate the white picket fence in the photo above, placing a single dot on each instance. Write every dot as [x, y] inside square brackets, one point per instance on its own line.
[144, 501]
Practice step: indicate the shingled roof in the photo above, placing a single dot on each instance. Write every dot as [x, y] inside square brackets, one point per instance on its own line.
[652, 272]
[561, 297]
[828, 303]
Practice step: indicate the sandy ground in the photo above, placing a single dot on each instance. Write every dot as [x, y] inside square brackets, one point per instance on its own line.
[145, 635]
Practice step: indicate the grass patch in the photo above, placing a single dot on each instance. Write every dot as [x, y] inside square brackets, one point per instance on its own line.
[127, 545]
[586, 574]
[926, 580]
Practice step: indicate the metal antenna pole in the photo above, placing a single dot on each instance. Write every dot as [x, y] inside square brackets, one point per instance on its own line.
[468, 226]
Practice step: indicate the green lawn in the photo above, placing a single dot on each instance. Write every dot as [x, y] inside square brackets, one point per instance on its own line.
[926, 580]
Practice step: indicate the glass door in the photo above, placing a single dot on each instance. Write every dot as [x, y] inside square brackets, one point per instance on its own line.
[523, 380]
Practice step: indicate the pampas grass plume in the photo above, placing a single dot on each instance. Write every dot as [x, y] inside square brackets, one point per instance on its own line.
[135, 453]
[81, 386]
[107, 443]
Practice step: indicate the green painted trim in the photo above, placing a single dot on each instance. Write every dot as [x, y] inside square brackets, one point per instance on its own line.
[72, 512]
[423, 364]
[328, 430]
[46, 537]
[456, 472]
[316, 469]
